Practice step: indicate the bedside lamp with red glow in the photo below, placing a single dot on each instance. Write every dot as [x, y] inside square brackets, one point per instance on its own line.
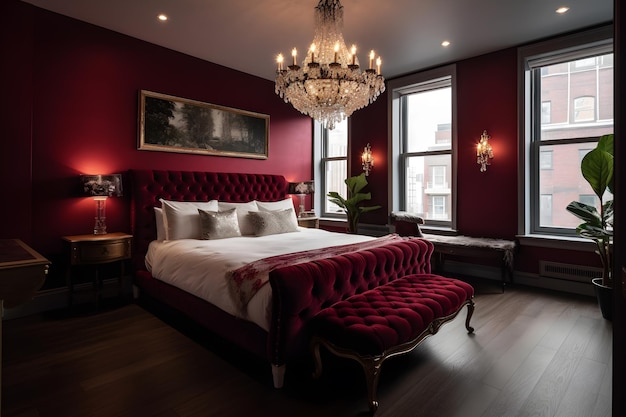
[100, 187]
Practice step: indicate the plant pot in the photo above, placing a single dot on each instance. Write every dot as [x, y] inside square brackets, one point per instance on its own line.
[605, 297]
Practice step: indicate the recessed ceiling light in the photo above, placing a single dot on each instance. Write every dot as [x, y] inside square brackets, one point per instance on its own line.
[162, 17]
[445, 43]
[562, 9]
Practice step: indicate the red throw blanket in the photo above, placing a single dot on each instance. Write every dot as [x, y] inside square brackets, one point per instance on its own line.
[244, 282]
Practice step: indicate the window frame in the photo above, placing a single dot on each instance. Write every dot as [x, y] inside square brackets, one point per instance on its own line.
[568, 48]
[398, 88]
[320, 140]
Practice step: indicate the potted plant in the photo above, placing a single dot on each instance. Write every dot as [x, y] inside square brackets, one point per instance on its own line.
[352, 205]
[597, 168]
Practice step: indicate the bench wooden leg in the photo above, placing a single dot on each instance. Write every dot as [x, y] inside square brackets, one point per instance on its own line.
[372, 364]
[371, 367]
[470, 312]
[317, 358]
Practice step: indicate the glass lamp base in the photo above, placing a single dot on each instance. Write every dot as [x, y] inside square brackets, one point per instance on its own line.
[100, 227]
[301, 211]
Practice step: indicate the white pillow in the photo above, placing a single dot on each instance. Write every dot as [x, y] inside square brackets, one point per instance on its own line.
[181, 218]
[160, 223]
[285, 204]
[242, 214]
[219, 224]
[272, 222]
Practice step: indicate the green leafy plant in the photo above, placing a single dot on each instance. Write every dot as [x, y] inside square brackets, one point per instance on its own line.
[597, 168]
[353, 204]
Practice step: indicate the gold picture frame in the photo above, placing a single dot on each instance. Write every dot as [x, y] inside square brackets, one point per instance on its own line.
[174, 124]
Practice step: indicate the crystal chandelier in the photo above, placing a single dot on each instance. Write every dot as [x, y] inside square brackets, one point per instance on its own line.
[329, 86]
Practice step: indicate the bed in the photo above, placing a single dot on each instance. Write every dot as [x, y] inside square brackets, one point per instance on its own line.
[270, 321]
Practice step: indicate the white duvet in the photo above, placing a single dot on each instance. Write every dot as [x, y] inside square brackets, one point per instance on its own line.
[200, 267]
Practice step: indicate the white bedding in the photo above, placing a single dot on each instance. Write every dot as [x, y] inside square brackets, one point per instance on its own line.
[200, 266]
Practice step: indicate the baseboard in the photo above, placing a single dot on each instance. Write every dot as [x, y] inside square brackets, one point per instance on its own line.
[376, 230]
[521, 278]
[56, 298]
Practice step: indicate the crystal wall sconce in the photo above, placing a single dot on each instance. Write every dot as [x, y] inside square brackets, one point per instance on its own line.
[367, 160]
[484, 153]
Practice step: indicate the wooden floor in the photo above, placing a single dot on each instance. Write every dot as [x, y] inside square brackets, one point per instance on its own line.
[533, 354]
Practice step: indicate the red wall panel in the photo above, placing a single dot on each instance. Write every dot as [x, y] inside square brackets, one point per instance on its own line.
[369, 125]
[487, 100]
[85, 84]
[73, 93]
[16, 39]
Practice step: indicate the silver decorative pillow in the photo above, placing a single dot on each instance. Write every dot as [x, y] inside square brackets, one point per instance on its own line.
[218, 224]
[272, 222]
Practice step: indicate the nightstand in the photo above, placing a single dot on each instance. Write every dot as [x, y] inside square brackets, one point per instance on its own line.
[93, 251]
[310, 222]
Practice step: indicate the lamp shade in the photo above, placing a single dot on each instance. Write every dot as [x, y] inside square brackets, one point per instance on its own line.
[102, 185]
[304, 187]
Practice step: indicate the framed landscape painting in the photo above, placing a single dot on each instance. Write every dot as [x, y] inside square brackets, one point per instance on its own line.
[174, 124]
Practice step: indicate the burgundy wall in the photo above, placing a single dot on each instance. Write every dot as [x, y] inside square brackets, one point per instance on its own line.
[16, 71]
[71, 107]
[487, 100]
[487, 201]
[73, 94]
[369, 125]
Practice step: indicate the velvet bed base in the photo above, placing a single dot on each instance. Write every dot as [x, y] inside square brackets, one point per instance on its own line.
[318, 284]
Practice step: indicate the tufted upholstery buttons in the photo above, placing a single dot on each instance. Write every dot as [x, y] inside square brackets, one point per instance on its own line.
[387, 321]
[387, 316]
[148, 186]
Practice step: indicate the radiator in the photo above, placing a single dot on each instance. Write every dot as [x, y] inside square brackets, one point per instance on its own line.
[569, 272]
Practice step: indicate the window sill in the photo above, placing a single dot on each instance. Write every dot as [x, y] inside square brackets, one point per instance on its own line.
[444, 231]
[557, 242]
[331, 221]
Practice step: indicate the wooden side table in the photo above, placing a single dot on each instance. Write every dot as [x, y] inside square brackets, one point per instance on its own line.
[94, 250]
[310, 222]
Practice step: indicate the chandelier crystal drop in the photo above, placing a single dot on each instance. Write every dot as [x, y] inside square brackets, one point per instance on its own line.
[330, 85]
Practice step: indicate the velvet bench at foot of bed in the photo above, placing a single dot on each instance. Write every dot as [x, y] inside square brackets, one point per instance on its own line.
[389, 320]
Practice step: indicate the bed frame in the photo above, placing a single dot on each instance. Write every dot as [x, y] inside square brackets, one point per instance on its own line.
[317, 284]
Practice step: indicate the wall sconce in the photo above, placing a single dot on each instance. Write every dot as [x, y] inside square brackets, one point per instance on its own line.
[367, 160]
[484, 152]
[100, 187]
[301, 189]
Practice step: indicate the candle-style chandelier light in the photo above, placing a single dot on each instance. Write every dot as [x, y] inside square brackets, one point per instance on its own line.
[330, 85]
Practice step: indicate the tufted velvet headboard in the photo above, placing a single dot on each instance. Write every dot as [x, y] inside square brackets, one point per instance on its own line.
[148, 186]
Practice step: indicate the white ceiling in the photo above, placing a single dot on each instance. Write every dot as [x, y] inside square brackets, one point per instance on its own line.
[247, 35]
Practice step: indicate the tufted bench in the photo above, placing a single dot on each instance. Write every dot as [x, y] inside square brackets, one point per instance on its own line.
[389, 320]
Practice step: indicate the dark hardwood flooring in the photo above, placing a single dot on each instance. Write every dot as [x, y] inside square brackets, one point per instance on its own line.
[534, 353]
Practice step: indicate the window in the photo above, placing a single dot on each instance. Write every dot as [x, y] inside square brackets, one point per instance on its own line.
[584, 109]
[437, 207]
[574, 75]
[581, 154]
[546, 110]
[545, 159]
[333, 168]
[438, 176]
[423, 132]
[546, 209]
[589, 199]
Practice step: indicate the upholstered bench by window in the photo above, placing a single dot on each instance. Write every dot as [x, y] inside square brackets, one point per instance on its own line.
[389, 320]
